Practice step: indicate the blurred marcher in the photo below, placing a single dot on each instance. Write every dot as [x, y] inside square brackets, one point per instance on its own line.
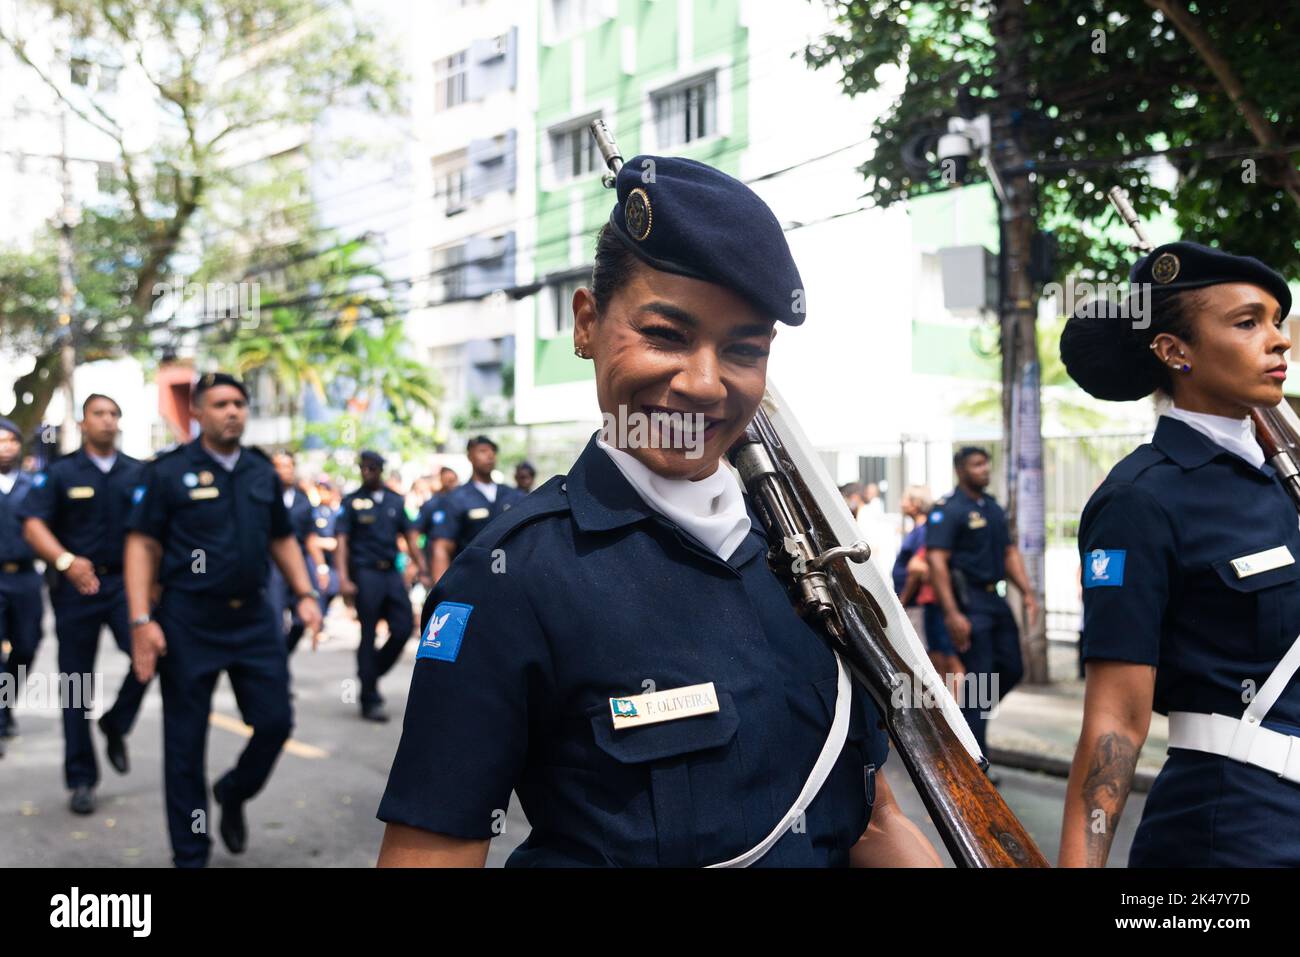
[525, 476]
[912, 584]
[853, 497]
[20, 586]
[471, 506]
[969, 550]
[324, 517]
[371, 522]
[303, 523]
[207, 517]
[75, 519]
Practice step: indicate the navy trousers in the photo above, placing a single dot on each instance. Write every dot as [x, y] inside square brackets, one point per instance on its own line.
[994, 650]
[78, 621]
[381, 594]
[20, 625]
[204, 638]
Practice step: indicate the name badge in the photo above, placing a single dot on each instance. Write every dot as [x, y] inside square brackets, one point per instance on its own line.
[474, 514]
[81, 491]
[1264, 561]
[663, 705]
[365, 519]
[976, 520]
[207, 491]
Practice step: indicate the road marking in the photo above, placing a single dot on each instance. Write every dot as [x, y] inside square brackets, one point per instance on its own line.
[292, 746]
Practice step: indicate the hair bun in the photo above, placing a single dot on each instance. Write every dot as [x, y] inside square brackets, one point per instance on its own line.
[1104, 355]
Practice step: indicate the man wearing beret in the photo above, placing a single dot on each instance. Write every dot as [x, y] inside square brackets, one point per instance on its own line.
[370, 522]
[20, 586]
[206, 517]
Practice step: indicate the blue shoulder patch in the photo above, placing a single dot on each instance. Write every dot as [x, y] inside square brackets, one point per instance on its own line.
[137, 494]
[444, 632]
[38, 480]
[439, 515]
[937, 515]
[1104, 568]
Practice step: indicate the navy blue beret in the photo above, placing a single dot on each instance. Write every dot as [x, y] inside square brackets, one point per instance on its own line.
[1108, 354]
[8, 425]
[210, 380]
[684, 217]
[372, 458]
[1175, 267]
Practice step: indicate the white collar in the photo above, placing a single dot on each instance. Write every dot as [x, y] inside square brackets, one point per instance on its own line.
[102, 462]
[226, 460]
[488, 489]
[712, 508]
[1235, 435]
[7, 480]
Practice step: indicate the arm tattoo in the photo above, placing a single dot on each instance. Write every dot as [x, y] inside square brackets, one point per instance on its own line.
[1106, 788]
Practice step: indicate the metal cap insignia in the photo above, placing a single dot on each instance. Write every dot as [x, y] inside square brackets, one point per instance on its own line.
[639, 215]
[1165, 268]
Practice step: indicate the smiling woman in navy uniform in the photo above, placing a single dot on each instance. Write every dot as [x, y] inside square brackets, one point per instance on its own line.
[616, 648]
[1191, 588]
[75, 519]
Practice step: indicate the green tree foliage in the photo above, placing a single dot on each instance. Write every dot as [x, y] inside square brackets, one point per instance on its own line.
[1111, 83]
[219, 77]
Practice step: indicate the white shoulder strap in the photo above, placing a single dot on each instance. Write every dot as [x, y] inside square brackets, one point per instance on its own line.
[1264, 699]
[830, 753]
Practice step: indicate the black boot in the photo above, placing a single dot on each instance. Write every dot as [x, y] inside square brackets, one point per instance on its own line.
[116, 747]
[234, 832]
[82, 800]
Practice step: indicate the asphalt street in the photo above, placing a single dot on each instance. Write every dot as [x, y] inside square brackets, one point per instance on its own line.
[319, 807]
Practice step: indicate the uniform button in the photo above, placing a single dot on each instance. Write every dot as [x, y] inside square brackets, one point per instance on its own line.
[564, 486]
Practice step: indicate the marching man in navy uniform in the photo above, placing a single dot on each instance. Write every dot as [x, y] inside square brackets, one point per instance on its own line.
[468, 509]
[20, 586]
[75, 519]
[1191, 587]
[370, 522]
[615, 648]
[207, 517]
[969, 549]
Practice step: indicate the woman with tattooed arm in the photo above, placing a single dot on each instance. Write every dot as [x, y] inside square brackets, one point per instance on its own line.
[1191, 587]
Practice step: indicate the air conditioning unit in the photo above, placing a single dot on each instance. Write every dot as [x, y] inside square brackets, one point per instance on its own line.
[499, 45]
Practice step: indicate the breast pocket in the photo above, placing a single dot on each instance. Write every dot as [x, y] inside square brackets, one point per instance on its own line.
[690, 769]
[1273, 596]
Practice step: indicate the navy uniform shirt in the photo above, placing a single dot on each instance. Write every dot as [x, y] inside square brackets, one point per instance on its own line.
[372, 527]
[13, 547]
[466, 512]
[1157, 542]
[976, 533]
[325, 517]
[301, 515]
[431, 514]
[582, 593]
[215, 526]
[86, 508]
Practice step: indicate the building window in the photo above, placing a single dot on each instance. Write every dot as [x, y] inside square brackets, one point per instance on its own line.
[563, 303]
[449, 81]
[568, 17]
[449, 272]
[686, 113]
[79, 71]
[108, 74]
[450, 182]
[573, 151]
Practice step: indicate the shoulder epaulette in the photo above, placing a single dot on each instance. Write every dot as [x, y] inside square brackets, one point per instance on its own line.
[547, 500]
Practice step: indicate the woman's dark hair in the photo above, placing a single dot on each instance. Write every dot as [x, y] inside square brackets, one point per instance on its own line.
[614, 268]
[1174, 314]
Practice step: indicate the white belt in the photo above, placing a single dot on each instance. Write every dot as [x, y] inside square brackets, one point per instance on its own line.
[1245, 739]
[830, 753]
[1214, 734]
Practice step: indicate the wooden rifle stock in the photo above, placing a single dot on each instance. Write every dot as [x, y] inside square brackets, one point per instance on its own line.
[976, 825]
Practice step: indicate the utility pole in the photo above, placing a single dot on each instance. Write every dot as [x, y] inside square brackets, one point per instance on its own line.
[68, 438]
[1021, 375]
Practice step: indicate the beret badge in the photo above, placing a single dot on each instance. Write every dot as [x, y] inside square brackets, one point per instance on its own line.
[639, 215]
[1165, 268]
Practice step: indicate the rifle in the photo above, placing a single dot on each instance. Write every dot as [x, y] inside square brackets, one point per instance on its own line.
[1277, 430]
[814, 548]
